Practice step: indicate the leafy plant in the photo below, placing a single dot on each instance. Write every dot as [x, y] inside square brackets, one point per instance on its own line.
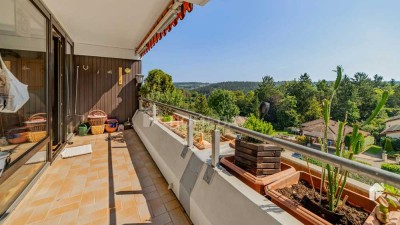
[303, 140]
[388, 145]
[167, 118]
[388, 201]
[260, 126]
[335, 176]
[394, 168]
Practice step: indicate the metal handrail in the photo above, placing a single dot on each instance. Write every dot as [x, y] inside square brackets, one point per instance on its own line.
[346, 164]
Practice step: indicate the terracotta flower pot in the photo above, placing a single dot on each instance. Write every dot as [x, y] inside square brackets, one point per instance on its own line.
[305, 215]
[255, 182]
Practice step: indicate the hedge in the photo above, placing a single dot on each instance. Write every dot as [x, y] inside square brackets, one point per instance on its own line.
[394, 168]
[368, 141]
[395, 142]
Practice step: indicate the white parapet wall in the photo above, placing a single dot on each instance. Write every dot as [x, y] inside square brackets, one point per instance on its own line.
[208, 195]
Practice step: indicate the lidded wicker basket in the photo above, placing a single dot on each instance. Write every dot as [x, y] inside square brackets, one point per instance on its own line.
[97, 117]
[36, 122]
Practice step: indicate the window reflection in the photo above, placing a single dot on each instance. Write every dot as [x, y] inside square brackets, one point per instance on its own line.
[23, 51]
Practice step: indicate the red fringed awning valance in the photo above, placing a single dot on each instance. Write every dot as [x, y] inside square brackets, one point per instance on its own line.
[186, 7]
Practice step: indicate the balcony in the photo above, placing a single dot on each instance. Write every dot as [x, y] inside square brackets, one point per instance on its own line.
[118, 183]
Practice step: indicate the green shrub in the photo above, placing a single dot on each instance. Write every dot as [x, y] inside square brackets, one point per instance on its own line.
[260, 126]
[395, 142]
[363, 162]
[388, 145]
[167, 118]
[303, 140]
[347, 140]
[312, 161]
[394, 168]
[368, 141]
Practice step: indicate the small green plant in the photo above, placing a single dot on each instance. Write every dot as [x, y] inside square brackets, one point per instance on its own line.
[260, 126]
[388, 201]
[167, 118]
[303, 140]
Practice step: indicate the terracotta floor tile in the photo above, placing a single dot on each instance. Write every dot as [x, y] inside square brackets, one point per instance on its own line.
[178, 217]
[161, 219]
[171, 205]
[78, 190]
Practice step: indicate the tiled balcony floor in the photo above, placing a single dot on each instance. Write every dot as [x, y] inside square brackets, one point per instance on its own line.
[118, 183]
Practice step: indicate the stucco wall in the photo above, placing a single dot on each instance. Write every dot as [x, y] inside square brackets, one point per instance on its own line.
[393, 135]
[393, 122]
[225, 200]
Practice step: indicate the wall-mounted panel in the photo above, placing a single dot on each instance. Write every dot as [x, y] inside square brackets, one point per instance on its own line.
[98, 86]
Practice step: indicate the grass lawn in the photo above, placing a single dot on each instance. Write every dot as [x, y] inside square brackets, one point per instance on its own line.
[374, 149]
[281, 132]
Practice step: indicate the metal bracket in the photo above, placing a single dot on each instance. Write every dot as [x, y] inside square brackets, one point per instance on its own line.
[184, 152]
[209, 174]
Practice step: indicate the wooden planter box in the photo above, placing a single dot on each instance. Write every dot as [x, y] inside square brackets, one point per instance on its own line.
[257, 183]
[303, 214]
[259, 159]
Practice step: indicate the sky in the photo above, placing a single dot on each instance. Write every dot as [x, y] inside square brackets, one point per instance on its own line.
[237, 40]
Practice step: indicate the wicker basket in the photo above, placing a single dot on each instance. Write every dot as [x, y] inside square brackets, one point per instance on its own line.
[97, 129]
[97, 117]
[36, 136]
[37, 122]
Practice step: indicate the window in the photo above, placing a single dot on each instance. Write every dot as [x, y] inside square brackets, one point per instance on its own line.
[23, 94]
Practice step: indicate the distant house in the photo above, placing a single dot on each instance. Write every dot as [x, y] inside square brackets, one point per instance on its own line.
[392, 127]
[315, 129]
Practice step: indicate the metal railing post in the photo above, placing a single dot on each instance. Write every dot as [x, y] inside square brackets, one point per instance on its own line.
[216, 135]
[346, 164]
[190, 125]
[140, 104]
[154, 112]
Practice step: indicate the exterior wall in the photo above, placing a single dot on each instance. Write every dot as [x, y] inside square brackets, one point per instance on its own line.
[393, 122]
[225, 200]
[393, 135]
[98, 88]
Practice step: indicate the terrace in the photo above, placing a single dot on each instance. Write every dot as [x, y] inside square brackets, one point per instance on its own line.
[157, 173]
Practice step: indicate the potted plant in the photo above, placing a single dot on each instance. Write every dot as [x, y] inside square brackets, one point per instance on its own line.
[256, 163]
[325, 200]
[389, 205]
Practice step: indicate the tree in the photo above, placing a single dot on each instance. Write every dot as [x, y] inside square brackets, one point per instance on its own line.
[324, 90]
[378, 81]
[268, 92]
[307, 105]
[286, 114]
[201, 105]
[345, 101]
[223, 104]
[157, 81]
[247, 104]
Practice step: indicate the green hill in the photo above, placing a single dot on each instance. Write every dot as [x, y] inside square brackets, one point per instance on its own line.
[190, 85]
[244, 86]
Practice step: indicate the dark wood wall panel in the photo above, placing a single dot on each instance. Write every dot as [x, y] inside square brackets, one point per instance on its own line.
[98, 86]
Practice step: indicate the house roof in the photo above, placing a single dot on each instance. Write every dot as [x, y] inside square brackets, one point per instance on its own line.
[393, 118]
[315, 128]
[391, 129]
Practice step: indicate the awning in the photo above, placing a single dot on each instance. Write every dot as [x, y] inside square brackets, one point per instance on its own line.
[164, 24]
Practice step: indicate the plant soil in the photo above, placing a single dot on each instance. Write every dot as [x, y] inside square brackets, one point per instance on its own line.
[302, 193]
